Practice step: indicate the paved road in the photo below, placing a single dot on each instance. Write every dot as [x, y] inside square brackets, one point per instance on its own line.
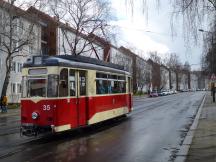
[152, 133]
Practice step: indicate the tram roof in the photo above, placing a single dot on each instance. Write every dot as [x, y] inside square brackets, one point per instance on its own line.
[75, 62]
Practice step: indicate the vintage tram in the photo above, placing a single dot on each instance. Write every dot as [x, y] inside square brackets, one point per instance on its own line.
[66, 92]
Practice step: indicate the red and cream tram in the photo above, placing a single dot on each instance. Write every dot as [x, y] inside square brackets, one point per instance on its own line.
[66, 92]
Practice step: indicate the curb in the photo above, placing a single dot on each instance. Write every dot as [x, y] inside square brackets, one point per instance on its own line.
[182, 154]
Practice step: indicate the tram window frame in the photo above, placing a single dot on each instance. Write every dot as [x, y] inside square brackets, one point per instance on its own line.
[63, 83]
[129, 85]
[72, 83]
[110, 83]
[53, 85]
[36, 80]
[82, 83]
[24, 87]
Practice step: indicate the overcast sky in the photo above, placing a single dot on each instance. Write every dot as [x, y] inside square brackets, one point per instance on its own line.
[133, 31]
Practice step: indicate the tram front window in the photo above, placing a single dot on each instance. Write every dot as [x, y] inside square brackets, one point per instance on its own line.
[37, 87]
[52, 87]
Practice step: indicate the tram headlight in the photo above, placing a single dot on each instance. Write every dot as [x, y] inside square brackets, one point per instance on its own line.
[35, 115]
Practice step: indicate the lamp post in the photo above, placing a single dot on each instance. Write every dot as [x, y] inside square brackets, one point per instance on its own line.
[212, 61]
[212, 43]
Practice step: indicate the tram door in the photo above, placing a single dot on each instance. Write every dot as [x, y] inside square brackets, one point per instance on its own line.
[81, 97]
[77, 88]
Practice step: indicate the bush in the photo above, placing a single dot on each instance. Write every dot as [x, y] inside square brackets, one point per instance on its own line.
[140, 93]
[13, 105]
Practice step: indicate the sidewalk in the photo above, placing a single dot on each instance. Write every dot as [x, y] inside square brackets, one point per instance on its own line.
[140, 97]
[10, 112]
[203, 146]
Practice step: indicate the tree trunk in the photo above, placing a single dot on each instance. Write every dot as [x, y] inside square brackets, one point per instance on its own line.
[7, 75]
[6, 83]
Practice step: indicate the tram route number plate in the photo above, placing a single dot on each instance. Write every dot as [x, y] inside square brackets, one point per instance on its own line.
[46, 107]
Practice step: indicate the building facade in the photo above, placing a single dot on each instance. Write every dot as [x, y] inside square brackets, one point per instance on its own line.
[24, 28]
[165, 80]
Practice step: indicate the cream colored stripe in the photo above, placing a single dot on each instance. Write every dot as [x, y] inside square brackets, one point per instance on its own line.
[62, 128]
[101, 116]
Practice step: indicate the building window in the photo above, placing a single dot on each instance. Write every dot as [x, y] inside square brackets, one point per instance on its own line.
[13, 88]
[19, 67]
[1, 17]
[0, 40]
[19, 88]
[30, 50]
[0, 63]
[13, 68]
[21, 27]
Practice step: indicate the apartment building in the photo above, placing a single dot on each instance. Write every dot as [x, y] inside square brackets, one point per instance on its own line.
[23, 26]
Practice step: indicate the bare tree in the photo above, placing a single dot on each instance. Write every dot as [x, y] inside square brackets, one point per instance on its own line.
[172, 61]
[154, 56]
[14, 35]
[143, 74]
[122, 59]
[192, 12]
[209, 56]
[87, 18]
[174, 64]
[155, 61]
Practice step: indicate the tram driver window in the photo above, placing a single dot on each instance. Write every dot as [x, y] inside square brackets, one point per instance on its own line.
[63, 85]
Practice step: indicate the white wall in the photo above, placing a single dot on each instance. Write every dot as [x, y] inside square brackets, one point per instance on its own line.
[63, 46]
[117, 57]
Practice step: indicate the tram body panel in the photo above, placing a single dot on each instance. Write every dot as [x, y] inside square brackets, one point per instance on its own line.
[66, 112]
[82, 104]
[106, 107]
[44, 108]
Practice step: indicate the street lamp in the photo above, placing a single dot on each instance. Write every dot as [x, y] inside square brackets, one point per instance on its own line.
[212, 43]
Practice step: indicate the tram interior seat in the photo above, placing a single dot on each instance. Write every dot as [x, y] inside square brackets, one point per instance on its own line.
[63, 89]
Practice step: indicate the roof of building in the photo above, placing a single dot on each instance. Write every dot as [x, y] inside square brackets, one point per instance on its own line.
[18, 12]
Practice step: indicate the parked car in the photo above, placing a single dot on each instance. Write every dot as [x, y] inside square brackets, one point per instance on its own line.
[161, 93]
[153, 94]
[165, 92]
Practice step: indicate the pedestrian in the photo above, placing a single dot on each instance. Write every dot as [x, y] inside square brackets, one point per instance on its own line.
[213, 92]
[1, 103]
[4, 104]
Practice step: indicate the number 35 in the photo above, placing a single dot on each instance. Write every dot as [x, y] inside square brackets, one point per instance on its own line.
[46, 107]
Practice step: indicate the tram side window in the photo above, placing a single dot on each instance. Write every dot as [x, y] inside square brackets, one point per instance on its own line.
[129, 84]
[52, 88]
[63, 85]
[109, 84]
[72, 82]
[101, 87]
[82, 83]
[101, 83]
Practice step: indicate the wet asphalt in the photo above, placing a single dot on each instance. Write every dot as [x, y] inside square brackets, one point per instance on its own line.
[153, 132]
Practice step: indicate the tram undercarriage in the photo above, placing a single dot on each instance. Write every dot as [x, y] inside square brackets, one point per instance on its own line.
[33, 130]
